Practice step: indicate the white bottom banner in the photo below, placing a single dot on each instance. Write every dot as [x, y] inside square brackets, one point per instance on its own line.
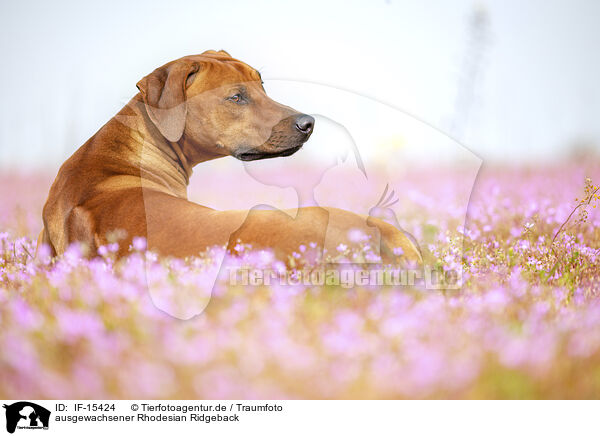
[300, 417]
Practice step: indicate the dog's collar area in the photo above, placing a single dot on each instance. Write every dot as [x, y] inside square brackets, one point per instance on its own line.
[182, 164]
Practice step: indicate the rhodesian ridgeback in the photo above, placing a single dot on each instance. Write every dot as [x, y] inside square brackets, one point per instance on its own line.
[133, 174]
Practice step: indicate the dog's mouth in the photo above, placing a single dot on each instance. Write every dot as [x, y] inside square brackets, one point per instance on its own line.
[261, 154]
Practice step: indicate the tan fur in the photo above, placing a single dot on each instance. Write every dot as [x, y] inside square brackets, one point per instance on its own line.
[133, 173]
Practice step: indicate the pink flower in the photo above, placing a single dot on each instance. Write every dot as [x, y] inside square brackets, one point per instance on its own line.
[139, 243]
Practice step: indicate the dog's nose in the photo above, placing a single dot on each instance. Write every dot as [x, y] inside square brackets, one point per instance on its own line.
[305, 123]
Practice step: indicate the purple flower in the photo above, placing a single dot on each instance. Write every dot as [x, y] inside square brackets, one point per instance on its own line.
[398, 251]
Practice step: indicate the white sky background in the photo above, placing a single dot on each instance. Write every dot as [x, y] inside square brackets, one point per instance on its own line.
[67, 67]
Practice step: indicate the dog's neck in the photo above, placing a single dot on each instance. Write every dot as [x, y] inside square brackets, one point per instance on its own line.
[159, 160]
[163, 161]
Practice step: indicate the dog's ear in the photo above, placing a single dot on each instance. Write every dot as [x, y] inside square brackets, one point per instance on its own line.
[163, 92]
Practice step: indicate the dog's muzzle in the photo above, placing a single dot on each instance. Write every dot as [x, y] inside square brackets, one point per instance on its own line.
[287, 137]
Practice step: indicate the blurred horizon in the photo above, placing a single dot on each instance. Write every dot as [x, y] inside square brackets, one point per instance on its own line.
[515, 83]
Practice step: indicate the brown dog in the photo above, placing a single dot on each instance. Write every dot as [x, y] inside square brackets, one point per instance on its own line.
[133, 173]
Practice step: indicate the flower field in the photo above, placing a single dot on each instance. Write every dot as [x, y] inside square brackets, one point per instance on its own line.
[526, 323]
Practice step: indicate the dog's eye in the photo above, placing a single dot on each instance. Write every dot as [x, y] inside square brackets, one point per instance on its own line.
[236, 98]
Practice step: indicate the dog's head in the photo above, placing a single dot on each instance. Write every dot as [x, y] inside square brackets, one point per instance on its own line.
[216, 106]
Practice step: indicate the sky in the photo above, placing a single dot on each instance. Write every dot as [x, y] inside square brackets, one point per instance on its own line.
[521, 88]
